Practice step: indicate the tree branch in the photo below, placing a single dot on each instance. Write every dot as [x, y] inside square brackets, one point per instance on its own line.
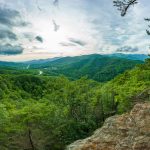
[123, 5]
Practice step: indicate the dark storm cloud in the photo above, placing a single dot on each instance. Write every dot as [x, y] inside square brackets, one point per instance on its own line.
[11, 18]
[66, 44]
[77, 41]
[127, 49]
[9, 49]
[6, 34]
[39, 39]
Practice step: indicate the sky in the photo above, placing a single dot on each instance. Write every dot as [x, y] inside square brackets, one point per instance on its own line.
[39, 29]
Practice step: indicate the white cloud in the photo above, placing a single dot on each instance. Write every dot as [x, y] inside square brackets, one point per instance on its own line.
[97, 23]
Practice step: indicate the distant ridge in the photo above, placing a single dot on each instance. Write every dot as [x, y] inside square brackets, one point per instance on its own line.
[95, 66]
[41, 61]
[129, 56]
[141, 57]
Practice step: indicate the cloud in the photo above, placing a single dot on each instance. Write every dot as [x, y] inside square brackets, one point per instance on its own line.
[73, 42]
[9, 49]
[77, 41]
[96, 23]
[37, 3]
[56, 26]
[39, 39]
[6, 34]
[29, 35]
[67, 44]
[127, 49]
[11, 18]
[55, 2]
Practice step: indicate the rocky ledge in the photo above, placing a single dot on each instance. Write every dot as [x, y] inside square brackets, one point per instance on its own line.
[130, 131]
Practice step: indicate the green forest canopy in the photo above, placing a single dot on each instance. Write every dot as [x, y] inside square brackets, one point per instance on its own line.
[44, 112]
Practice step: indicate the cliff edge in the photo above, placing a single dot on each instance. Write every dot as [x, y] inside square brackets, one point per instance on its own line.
[130, 131]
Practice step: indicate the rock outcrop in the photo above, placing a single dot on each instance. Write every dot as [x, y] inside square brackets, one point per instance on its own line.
[130, 131]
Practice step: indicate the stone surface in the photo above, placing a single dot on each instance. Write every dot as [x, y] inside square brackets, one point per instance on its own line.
[129, 131]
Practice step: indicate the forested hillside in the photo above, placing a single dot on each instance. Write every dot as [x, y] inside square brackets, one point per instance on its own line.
[97, 67]
[43, 112]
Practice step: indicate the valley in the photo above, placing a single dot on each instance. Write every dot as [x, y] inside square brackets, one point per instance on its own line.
[52, 110]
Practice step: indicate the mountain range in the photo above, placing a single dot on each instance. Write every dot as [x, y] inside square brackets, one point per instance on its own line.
[98, 67]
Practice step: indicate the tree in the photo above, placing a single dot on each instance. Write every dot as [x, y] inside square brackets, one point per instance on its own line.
[124, 5]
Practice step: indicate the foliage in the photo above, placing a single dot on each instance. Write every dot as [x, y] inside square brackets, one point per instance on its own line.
[100, 68]
[124, 5]
[42, 112]
[96, 67]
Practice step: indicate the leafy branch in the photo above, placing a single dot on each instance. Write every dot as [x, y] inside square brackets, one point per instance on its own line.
[124, 5]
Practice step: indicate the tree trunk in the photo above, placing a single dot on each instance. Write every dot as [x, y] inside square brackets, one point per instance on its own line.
[30, 139]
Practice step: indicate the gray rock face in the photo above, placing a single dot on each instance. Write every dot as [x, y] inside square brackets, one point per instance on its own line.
[129, 131]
